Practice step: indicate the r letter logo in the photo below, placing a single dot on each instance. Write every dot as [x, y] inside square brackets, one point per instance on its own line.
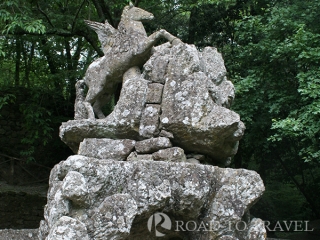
[159, 219]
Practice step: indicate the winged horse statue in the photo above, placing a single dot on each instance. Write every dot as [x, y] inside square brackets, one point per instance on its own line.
[124, 48]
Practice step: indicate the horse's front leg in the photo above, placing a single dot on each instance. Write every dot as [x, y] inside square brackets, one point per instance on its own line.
[172, 39]
[154, 38]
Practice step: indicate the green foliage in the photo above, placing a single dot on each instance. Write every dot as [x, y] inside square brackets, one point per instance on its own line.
[17, 15]
[7, 99]
[273, 206]
[284, 67]
[37, 124]
[275, 68]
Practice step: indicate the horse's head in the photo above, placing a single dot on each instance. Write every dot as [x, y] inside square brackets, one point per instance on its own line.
[131, 12]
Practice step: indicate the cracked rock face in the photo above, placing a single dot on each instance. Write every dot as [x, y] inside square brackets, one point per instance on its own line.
[181, 91]
[123, 195]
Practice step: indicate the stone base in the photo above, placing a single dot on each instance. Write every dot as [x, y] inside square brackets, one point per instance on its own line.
[93, 198]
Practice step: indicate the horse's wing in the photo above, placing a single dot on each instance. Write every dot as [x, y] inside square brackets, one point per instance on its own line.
[104, 31]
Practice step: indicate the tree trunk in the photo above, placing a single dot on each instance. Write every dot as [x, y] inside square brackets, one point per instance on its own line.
[309, 199]
[192, 26]
[17, 62]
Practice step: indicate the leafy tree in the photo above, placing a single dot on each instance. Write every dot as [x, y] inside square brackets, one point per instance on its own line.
[275, 66]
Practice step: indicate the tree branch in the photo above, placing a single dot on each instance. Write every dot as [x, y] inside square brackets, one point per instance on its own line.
[77, 53]
[76, 16]
[99, 10]
[300, 188]
[64, 34]
[23, 160]
[136, 3]
[106, 11]
[44, 14]
[93, 44]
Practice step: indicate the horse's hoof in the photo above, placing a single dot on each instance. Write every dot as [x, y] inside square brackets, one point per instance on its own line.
[176, 41]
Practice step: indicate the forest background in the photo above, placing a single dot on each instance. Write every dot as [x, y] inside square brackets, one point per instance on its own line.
[271, 50]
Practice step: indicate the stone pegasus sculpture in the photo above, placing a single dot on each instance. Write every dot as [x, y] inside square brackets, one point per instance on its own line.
[124, 48]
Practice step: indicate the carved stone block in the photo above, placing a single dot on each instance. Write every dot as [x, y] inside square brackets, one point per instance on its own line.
[154, 94]
[149, 124]
[105, 148]
[134, 156]
[152, 145]
[174, 154]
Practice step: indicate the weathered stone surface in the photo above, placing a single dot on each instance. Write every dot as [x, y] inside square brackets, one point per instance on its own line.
[75, 189]
[123, 122]
[57, 207]
[128, 111]
[68, 228]
[154, 94]
[223, 94]
[80, 111]
[256, 230]
[228, 238]
[193, 160]
[212, 64]
[159, 63]
[152, 145]
[106, 148]
[189, 112]
[114, 217]
[149, 125]
[138, 189]
[166, 134]
[113, 188]
[199, 157]
[134, 156]
[174, 154]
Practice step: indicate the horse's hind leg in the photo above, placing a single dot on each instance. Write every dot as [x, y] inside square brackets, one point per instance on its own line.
[97, 109]
[92, 96]
[100, 102]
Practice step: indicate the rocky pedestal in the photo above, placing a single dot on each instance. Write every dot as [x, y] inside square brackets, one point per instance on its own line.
[143, 173]
[91, 198]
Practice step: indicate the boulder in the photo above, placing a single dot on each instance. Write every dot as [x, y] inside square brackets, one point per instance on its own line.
[174, 154]
[106, 148]
[256, 230]
[152, 145]
[124, 195]
[197, 120]
[113, 218]
[75, 189]
[68, 228]
[134, 156]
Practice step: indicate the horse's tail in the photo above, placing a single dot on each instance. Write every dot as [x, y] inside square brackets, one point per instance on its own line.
[80, 90]
[80, 111]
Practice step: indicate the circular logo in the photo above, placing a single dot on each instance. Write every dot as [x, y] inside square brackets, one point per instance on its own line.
[159, 219]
